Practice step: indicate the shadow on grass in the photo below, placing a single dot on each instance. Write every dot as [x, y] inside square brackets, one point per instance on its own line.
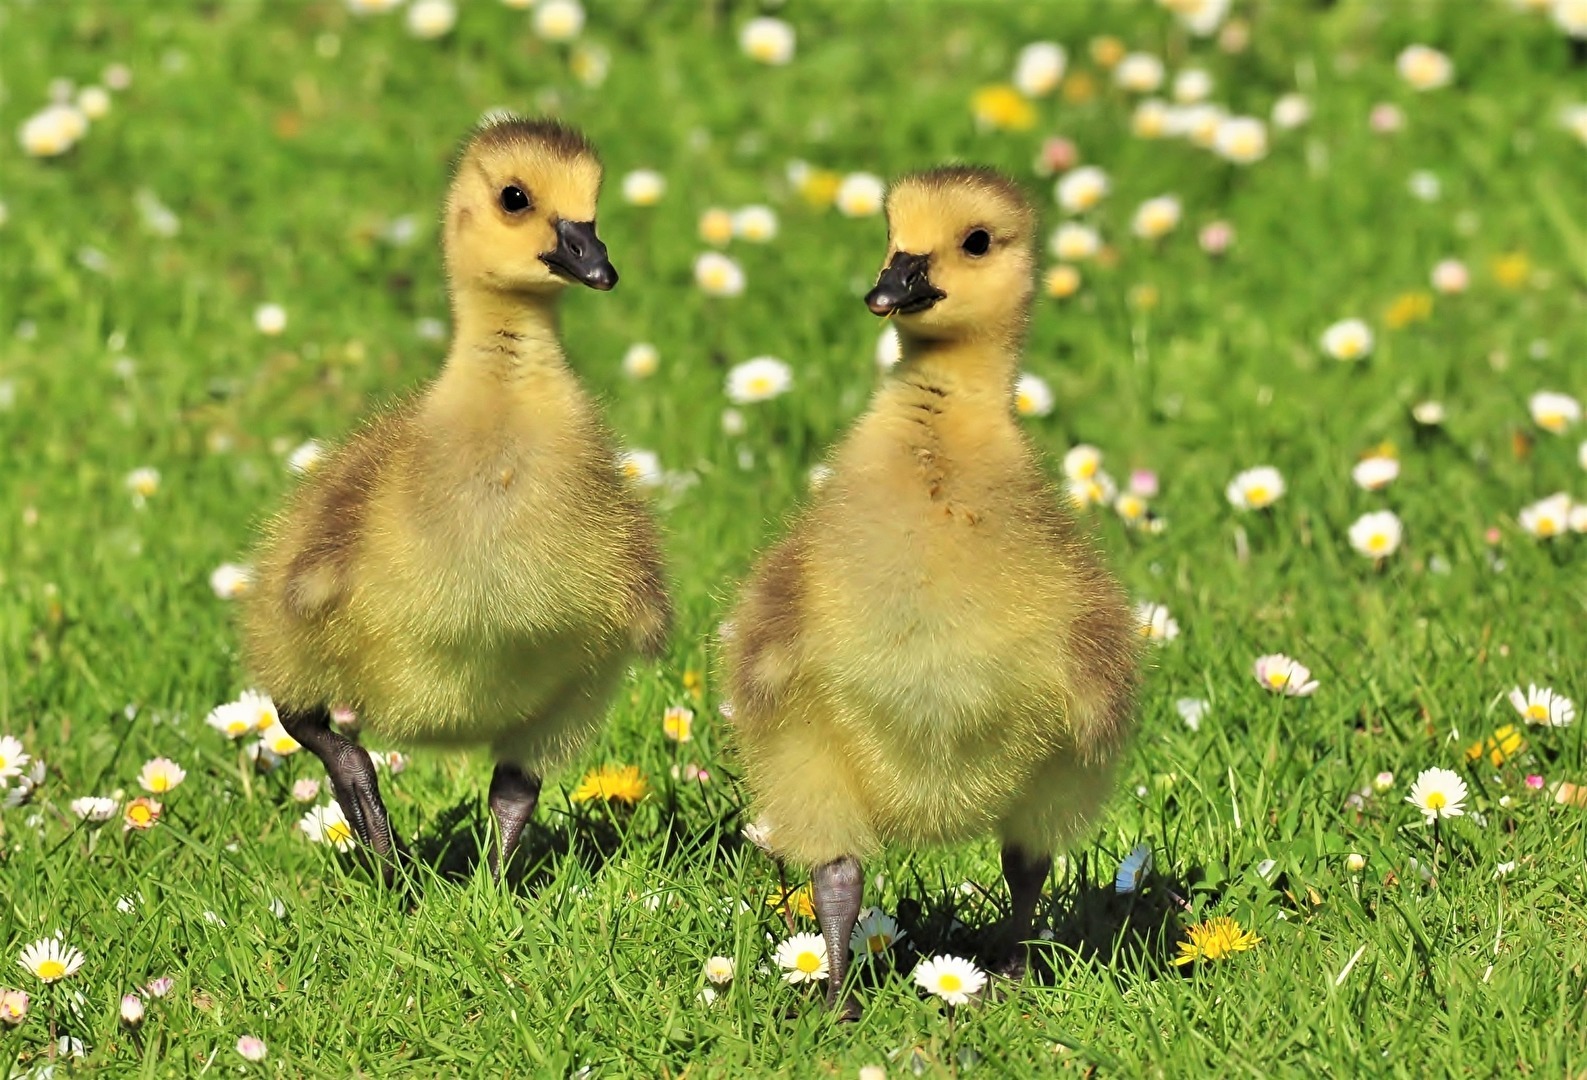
[453, 845]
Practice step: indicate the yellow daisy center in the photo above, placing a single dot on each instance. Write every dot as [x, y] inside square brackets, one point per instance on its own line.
[1436, 800]
[877, 942]
[1256, 494]
[1537, 711]
[1551, 420]
[1377, 541]
[1023, 402]
[807, 962]
[1277, 677]
[760, 385]
[51, 969]
[139, 815]
[5, 762]
[159, 782]
[949, 982]
[338, 833]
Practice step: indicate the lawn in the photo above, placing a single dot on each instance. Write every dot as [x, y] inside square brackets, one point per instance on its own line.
[295, 153]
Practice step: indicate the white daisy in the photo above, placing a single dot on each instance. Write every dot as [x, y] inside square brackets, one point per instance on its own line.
[1082, 462]
[276, 740]
[890, 350]
[1155, 623]
[1201, 17]
[1074, 242]
[1156, 218]
[160, 775]
[1547, 518]
[1438, 793]
[1450, 276]
[1192, 85]
[952, 979]
[1098, 489]
[1032, 395]
[50, 959]
[768, 40]
[720, 969]
[718, 275]
[1377, 535]
[1554, 412]
[1291, 111]
[1240, 139]
[643, 467]
[230, 580]
[1082, 189]
[558, 20]
[860, 195]
[641, 360]
[94, 808]
[1283, 675]
[431, 19]
[270, 319]
[757, 224]
[760, 379]
[1139, 73]
[1039, 68]
[1133, 869]
[13, 758]
[1256, 489]
[1375, 473]
[644, 187]
[874, 933]
[1424, 68]
[328, 825]
[1192, 711]
[803, 958]
[1348, 339]
[1541, 705]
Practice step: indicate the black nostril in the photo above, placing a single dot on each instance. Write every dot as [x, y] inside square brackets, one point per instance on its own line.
[578, 252]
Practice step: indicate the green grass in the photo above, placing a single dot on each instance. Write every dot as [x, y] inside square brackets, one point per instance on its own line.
[286, 166]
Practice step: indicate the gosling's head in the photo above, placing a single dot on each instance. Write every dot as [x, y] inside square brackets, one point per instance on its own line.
[520, 215]
[960, 255]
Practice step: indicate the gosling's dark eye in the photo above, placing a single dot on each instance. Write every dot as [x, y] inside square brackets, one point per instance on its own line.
[513, 199]
[978, 243]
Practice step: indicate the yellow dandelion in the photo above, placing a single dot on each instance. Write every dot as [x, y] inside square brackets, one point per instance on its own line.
[1002, 108]
[1500, 747]
[612, 783]
[1415, 306]
[1215, 939]
[819, 187]
[800, 901]
[693, 683]
[1511, 270]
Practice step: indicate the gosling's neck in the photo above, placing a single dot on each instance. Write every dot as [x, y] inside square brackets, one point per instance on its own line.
[504, 338]
[978, 372]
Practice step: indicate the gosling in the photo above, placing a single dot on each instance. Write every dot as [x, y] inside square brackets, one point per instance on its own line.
[934, 652]
[471, 568]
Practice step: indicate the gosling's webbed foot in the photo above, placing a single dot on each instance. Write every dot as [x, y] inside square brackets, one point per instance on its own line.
[514, 794]
[352, 776]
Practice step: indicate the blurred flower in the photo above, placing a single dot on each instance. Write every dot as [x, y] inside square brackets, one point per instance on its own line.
[1095, 490]
[1428, 413]
[1256, 489]
[1386, 118]
[306, 457]
[1215, 939]
[1082, 462]
[818, 187]
[1547, 518]
[1061, 281]
[1451, 276]
[1571, 17]
[889, 349]
[1355, 862]
[270, 319]
[1438, 793]
[677, 723]
[1151, 119]
[1132, 509]
[733, 422]
[13, 758]
[860, 195]
[874, 933]
[1143, 482]
[641, 360]
[643, 467]
[1057, 155]
[1541, 705]
[279, 741]
[1192, 85]
[1192, 711]
[141, 813]
[611, 783]
[1106, 50]
[1377, 535]
[757, 224]
[760, 379]
[803, 958]
[716, 226]
[1155, 623]
[1574, 119]
[1082, 189]
[1002, 108]
[1156, 218]
[94, 808]
[1424, 68]
[1032, 395]
[1140, 73]
[952, 979]
[372, 7]
[13, 1006]
[558, 20]
[1425, 185]
[1199, 123]
[143, 482]
[1409, 307]
[160, 775]
[251, 1047]
[1283, 675]
[1291, 111]
[93, 102]
[1376, 472]
[1201, 17]
[159, 987]
[328, 825]
[305, 789]
[430, 19]
[718, 275]
[1501, 746]
[1512, 269]
[50, 959]
[1039, 68]
[644, 187]
[771, 41]
[1241, 139]
[1216, 237]
[1554, 412]
[719, 969]
[131, 1010]
[1349, 339]
[52, 131]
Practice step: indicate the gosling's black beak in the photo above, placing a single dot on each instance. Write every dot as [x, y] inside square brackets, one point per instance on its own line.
[903, 287]
[580, 255]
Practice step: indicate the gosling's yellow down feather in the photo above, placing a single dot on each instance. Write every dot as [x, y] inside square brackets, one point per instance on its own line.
[935, 652]
[471, 567]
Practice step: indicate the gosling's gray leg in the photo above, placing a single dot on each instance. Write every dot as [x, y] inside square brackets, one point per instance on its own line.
[1025, 874]
[351, 772]
[838, 887]
[513, 796]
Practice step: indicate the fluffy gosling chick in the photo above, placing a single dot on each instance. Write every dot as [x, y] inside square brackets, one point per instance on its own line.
[934, 652]
[471, 568]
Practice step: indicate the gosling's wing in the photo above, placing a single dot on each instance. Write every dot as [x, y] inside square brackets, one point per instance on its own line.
[764, 651]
